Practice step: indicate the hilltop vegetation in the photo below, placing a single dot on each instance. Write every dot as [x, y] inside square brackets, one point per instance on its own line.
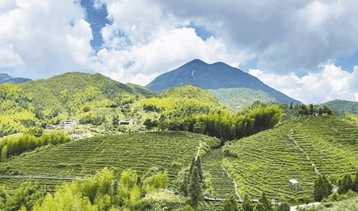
[238, 98]
[343, 106]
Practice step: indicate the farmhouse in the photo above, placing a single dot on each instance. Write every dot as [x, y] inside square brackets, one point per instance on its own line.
[69, 124]
[294, 184]
[76, 137]
[130, 122]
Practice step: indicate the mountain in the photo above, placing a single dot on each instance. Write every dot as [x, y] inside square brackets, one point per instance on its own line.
[6, 79]
[213, 76]
[341, 106]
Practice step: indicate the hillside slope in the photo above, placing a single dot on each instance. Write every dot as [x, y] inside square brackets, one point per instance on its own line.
[238, 98]
[299, 150]
[212, 76]
[169, 151]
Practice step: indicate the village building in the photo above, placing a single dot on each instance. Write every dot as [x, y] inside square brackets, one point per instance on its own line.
[124, 123]
[294, 185]
[69, 124]
[76, 137]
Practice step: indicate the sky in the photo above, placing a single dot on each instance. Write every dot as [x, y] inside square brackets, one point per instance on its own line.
[304, 48]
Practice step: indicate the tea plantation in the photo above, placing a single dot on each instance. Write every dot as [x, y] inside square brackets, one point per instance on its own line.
[300, 150]
[169, 151]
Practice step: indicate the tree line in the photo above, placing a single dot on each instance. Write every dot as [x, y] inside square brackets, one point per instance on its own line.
[223, 124]
[323, 187]
[11, 146]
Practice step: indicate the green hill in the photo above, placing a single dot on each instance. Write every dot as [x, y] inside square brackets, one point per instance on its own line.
[59, 90]
[299, 150]
[190, 92]
[237, 98]
[88, 98]
[342, 106]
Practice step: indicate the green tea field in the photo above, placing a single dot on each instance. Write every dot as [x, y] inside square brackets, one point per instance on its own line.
[169, 151]
[299, 150]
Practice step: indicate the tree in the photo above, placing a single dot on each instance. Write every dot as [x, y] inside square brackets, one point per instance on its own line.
[345, 184]
[291, 106]
[322, 188]
[149, 124]
[355, 183]
[247, 204]
[195, 187]
[265, 202]
[260, 207]
[284, 207]
[230, 204]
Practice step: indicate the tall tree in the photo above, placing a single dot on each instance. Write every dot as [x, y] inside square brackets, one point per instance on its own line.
[230, 204]
[265, 202]
[195, 187]
[345, 184]
[247, 204]
[322, 188]
[355, 183]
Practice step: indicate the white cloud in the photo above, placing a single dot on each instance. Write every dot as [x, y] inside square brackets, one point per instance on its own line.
[329, 83]
[287, 36]
[170, 48]
[140, 47]
[44, 37]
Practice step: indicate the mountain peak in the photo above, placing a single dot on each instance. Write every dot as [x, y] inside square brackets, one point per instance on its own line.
[212, 76]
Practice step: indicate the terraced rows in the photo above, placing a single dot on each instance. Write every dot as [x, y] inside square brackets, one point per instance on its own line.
[331, 147]
[266, 161]
[168, 150]
[222, 183]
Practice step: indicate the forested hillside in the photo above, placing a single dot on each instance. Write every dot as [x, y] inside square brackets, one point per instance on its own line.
[238, 98]
[343, 106]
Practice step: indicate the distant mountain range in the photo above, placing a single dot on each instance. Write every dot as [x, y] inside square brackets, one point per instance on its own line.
[6, 79]
[213, 76]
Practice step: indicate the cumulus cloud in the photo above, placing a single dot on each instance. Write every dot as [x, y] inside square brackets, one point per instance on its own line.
[140, 63]
[44, 37]
[329, 83]
[137, 48]
[287, 36]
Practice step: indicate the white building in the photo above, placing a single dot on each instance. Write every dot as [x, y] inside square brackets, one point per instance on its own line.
[294, 184]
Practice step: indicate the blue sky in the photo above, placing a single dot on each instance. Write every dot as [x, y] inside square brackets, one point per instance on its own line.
[306, 49]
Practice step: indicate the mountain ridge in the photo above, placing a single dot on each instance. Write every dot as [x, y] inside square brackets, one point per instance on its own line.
[212, 76]
[7, 79]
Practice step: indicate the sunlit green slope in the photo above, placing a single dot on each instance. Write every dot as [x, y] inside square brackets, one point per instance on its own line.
[300, 150]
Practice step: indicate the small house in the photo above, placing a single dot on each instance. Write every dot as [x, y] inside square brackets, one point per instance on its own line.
[294, 185]
[125, 123]
[69, 124]
[76, 137]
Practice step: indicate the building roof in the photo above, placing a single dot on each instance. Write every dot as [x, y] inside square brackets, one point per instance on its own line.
[293, 181]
